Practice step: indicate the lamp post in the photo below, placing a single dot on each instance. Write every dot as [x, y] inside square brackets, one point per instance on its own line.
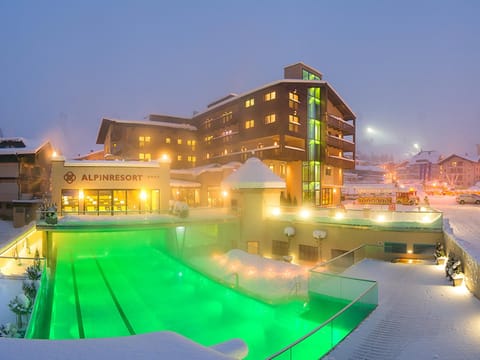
[319, 235]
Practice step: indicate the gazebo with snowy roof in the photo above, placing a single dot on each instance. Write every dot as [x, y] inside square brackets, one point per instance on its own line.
[254, 192]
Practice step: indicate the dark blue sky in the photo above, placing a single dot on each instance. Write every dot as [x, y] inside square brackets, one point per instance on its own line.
[408, 69]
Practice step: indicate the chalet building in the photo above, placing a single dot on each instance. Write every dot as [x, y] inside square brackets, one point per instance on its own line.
[24, 177]
[421, 168]
[299, 127]
[460, 172]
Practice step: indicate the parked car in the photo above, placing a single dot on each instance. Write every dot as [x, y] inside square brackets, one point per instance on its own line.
[468, 199]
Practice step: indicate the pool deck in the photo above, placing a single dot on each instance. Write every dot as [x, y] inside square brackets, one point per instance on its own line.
[420, 315]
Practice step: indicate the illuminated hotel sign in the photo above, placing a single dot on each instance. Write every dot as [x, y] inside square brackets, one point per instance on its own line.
[111, 177]
[70, 177]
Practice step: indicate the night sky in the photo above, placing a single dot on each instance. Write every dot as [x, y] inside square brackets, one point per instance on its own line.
[408, 69]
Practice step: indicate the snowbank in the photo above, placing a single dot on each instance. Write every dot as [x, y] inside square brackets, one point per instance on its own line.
[266, 279]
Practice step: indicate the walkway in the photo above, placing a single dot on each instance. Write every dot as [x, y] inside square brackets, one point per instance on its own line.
[420, 314]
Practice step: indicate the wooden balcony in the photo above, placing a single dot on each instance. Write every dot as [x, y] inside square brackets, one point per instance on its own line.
[337, 123]
[340, 162]
[342, 144]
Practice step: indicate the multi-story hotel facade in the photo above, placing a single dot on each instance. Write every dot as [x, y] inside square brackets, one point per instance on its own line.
[299, 127]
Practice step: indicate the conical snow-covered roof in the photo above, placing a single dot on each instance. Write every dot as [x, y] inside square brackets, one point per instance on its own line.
[254, 174]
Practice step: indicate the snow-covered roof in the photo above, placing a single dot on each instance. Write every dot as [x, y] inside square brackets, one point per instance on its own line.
[254, 174]
[110, 163]
[332, 91]
[196, 171]
[20, 145]
[465, 157]
[154, 123]
[431, 156]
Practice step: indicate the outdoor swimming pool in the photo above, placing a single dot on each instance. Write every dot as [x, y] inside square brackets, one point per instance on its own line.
[120, 283]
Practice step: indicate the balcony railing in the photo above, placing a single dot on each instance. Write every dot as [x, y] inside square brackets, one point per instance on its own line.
[337, 123]
[342, 144]
[340, 162]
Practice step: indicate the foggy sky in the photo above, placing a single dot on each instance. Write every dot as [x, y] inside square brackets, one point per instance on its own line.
[408, 69]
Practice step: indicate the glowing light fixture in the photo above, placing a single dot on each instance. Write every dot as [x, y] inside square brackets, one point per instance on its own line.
[276, 211]
[304, 213]
[81, 195]
[339, 215]
[143, 195]
[381, 218]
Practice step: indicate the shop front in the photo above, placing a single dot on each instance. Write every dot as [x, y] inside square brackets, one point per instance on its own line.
[81, 187]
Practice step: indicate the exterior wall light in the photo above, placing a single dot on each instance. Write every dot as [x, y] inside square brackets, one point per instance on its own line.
[304, 213]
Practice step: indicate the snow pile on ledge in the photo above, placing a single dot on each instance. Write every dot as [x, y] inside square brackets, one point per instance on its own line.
[267, 279]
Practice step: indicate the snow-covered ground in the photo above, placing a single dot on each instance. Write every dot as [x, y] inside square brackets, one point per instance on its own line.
[420, 314]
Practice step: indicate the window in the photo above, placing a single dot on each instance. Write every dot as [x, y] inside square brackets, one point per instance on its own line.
[292, 127]
[208, 123]
[249, 102]
[393, 247]
[307, 253]
[145, 156]
[192, 158]
[270, 96]
[293, 100]
[271, 167]
[328, 171]
[270, 118]
[283, 170]
[168, 140]
[293, 119]
[179, 157]
[279, 248]
[143, 141]
[192, 144]
[253, 247]
[208, 139]
[226, 117]
[249, 124]
[179, 141]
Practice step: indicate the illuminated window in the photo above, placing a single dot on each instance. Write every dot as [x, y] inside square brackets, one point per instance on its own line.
[226, 117]
[293, 100]
[145, 156]
[208, 123]
[191, 143]
[270, 118]
[328, 171]
[143, 141]
[293, 119]
[293, 127]
[179, 157]
[208, 156]
[271, 96]
[179, 141]
[208, 139]
[192, 159]
[249, 124]
[271, 167]
[249, 102]
[168, 140]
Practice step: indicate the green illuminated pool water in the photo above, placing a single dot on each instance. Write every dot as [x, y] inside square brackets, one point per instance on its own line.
[109, 284]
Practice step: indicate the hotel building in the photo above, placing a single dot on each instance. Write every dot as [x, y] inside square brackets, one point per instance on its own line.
[299, 127]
